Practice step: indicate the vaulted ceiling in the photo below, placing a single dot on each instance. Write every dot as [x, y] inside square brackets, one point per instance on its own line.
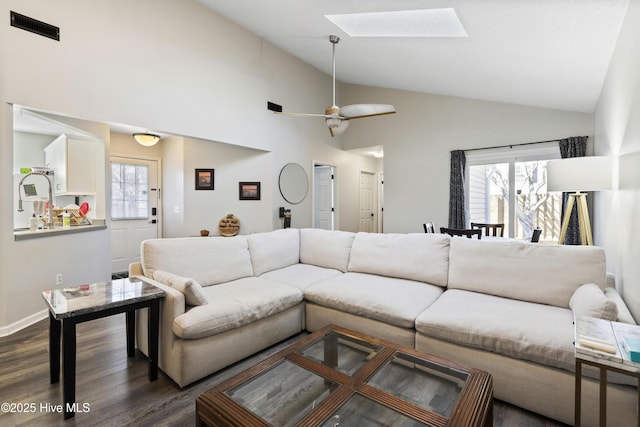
[544, 53]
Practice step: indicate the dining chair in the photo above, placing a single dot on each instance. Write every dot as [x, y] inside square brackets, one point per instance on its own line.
[462, 232]
[496, 230]
[429, 227]
[535, 238]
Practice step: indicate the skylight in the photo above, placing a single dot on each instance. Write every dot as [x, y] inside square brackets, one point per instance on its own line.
[403, 23]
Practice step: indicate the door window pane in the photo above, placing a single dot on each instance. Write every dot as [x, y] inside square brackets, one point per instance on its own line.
[129, 191]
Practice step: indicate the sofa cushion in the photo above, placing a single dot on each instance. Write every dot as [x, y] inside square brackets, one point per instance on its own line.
[207, 260]
[542, 273]
[590, 301]
[394, 301]
[422, 257]
[326, 248]
[518, 329]
[301, 275]
[190, 288]
[273, 250]
[234, 304]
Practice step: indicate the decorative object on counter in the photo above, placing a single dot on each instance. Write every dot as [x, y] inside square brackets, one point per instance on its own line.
[77, 214]
[37, 169]
[204, 233]
[146, 139]
[229, 226]
[249, 190]
[204, 179]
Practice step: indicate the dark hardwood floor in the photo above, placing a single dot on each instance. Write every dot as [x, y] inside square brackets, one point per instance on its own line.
[114, 389]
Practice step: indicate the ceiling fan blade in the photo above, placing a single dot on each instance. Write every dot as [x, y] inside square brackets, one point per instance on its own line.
[340, 129]
[300, 114]
[357, 111]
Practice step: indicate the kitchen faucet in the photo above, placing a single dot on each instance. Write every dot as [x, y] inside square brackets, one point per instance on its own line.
[49, 203]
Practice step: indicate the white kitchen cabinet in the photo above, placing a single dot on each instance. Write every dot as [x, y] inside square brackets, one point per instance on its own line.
[73, 163]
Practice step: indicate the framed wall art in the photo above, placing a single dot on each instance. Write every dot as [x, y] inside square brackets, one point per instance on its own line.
[249, 190]
[204, 179]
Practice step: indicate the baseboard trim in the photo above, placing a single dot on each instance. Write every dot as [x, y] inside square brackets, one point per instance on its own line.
[23, 323]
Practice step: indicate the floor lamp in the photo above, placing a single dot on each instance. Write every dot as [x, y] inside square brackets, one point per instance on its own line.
[575, 175]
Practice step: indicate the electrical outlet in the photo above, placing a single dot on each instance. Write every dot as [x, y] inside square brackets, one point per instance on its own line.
[59, 279]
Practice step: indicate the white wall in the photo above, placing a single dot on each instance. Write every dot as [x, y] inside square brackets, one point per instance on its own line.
[418, 139]
[204, 209]
[172, 191]
[617, 134]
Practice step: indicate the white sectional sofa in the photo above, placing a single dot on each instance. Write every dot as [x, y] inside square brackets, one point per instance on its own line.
[502, 306]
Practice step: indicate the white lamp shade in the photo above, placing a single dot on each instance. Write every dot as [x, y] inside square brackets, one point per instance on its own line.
[591, 173]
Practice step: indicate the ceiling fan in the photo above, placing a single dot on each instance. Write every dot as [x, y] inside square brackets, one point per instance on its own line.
[336, 118]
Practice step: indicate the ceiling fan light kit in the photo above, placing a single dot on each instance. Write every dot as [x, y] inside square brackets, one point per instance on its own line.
[336, 118]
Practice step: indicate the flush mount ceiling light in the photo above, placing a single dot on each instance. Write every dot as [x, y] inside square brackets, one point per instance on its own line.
[403, 23]
[146, 139]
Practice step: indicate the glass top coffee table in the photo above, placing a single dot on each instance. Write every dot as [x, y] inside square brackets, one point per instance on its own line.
[340, 377]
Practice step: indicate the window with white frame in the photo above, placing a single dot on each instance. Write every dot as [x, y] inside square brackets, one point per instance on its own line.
[509, 186]
[129, 191]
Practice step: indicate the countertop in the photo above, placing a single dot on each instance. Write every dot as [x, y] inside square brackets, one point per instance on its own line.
[25, 234]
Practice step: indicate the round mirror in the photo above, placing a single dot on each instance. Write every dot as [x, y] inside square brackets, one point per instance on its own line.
[293, 183]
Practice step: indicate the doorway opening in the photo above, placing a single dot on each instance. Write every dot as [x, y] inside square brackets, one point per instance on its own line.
[135, 208]
[324, 210]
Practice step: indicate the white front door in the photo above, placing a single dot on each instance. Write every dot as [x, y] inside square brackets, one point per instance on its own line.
[367, 199]
[323, 197]
[135, 208]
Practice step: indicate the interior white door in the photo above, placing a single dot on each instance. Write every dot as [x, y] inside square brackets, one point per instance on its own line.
[367, 203]
[135, 212]
[323, 197]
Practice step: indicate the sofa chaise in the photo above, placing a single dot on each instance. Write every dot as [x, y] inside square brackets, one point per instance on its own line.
[502, 306]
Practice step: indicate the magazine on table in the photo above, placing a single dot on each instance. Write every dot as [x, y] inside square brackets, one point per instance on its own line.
[595, 337]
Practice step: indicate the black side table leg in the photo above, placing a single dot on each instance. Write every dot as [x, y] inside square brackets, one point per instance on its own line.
[131, 328]
[54, 349]
[69, 367]
[153, 329]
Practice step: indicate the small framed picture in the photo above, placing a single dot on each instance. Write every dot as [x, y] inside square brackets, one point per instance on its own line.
[204, 179]
[249, 190]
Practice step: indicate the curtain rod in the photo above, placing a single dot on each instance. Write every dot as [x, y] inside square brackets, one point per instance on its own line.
[513, 145]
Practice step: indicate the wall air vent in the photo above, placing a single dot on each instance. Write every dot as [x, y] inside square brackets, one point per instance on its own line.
[33, 25]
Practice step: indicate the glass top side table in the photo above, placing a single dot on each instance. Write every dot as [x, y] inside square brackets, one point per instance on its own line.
[72, 305]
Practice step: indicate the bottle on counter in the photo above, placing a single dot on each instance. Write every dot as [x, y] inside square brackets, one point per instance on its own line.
[66, 220]
[33, 223]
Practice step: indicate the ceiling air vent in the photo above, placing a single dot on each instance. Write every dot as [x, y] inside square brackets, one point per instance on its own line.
[33, 25]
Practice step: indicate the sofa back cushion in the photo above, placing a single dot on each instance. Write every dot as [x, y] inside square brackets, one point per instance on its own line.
[274, 249]
[207, 260]
[541, 273]
[325, 248]
[422, 257]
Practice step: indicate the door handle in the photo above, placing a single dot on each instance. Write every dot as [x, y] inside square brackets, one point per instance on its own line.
[153, 211]
[153, 221]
